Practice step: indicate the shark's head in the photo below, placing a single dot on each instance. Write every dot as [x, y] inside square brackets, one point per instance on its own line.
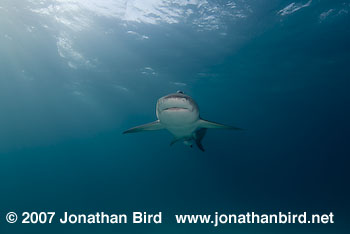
[177, 105]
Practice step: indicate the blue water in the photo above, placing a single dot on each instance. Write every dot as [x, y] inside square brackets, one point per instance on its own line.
[74, 75]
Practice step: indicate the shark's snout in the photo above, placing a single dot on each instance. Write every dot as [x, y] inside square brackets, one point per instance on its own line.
[177, 103]
[177, 110]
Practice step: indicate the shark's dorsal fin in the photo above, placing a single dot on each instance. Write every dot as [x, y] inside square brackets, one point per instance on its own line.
[156, 125]
[209, 124]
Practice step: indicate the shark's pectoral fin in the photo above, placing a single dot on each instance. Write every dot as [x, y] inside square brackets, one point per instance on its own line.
[156, 125]
[209, 124]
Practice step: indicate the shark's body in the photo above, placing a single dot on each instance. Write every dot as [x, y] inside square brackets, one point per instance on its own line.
[179, 114]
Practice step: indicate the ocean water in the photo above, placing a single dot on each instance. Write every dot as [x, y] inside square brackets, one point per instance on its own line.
[75, 74]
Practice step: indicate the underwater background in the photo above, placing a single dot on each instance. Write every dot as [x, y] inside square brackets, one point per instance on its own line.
[75, 74]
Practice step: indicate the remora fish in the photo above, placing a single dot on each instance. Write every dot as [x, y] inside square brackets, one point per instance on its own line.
[179, 114]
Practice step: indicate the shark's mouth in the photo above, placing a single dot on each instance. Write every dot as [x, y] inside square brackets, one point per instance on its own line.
[175, 108]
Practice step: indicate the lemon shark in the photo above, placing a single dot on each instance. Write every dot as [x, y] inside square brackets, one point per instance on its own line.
[179, 114]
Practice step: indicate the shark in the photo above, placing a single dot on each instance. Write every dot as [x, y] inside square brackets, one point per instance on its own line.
[179, 114]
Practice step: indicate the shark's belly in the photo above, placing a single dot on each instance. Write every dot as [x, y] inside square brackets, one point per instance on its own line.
[182, 132]
[179, 123]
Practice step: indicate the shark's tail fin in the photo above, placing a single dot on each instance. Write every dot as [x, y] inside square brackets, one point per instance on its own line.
[209, 124]
[199, 136]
